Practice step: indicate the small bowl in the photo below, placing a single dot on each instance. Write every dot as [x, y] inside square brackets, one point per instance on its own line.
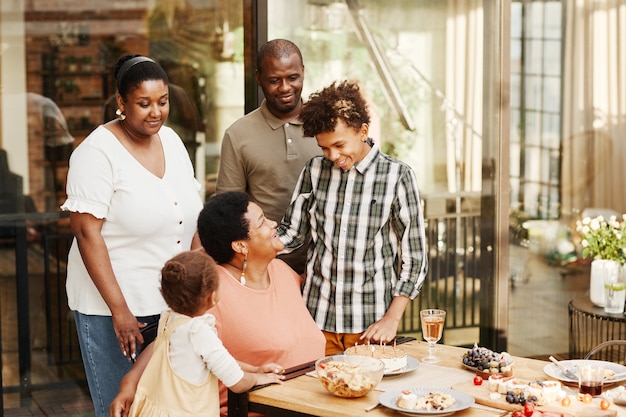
[349, 376]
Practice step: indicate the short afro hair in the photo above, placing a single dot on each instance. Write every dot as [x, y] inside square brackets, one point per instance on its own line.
[276, 49]
[221, 222]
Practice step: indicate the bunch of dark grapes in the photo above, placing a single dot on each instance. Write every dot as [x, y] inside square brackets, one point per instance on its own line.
[520, 399]
[485, 359]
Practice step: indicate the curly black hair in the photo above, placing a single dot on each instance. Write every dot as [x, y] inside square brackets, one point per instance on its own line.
[337, 101]
[221, 222]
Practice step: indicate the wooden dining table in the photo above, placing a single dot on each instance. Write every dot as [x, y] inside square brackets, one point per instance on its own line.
[305, 395]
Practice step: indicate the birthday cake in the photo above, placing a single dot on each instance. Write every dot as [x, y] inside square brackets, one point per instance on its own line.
[394, 358]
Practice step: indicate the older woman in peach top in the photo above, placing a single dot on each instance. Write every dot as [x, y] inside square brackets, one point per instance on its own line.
[261, 316]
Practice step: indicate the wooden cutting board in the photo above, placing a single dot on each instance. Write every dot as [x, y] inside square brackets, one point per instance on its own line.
[576, 408]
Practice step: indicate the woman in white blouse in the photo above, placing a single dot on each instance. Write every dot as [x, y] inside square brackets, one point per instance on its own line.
[133, 201]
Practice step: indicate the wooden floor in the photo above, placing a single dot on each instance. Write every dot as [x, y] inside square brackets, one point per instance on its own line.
[538, 327]
[58, 390]
[71, 400]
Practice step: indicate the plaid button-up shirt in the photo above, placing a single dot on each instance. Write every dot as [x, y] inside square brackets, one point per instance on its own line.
[367, 239]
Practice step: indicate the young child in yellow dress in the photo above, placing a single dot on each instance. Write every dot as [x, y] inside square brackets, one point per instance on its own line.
[182, 375]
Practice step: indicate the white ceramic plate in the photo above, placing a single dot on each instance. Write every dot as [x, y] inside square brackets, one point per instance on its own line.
[463, 401]
[411, 365]
[553, 371]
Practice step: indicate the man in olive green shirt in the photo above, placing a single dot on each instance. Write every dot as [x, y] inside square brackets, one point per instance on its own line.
[264, 152]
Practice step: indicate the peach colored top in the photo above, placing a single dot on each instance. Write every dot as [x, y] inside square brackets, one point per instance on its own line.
[269, 325]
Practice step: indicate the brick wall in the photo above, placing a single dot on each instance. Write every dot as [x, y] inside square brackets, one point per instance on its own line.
[75, 71]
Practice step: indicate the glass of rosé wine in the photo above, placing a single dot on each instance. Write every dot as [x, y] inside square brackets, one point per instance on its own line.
[432, 330]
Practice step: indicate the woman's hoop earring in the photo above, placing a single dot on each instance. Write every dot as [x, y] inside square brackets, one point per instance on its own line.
[120, 114]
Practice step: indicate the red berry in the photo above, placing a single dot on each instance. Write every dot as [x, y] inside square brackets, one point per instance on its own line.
[529, 409]
[478, 380]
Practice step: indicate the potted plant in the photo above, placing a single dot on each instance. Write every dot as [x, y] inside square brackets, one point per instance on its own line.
[604, 240]
[70, 90]
[85, 62]
[71, 62]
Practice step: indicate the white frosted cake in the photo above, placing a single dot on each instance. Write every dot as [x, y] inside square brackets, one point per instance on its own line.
[394, 358]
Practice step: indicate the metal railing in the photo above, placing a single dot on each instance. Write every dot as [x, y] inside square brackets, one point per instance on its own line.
[453, 280]
[61, 336]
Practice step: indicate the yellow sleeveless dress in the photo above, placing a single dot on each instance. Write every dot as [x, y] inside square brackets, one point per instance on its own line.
[162, 393]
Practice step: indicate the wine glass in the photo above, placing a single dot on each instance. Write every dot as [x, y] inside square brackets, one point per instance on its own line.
[432, 330]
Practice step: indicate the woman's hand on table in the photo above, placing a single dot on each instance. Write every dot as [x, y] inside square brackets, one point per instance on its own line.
[264, 378]
[268, 368]
[271, 368]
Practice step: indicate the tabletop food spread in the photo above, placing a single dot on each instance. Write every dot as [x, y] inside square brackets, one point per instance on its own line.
[512, 387]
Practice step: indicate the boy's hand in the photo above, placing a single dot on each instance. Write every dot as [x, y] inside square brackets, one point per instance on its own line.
[382, 331]
[385, 329]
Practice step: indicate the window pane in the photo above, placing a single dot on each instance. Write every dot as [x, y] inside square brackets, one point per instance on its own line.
[552, 130]
[534, 19]
[533, 63]
[553, 28]
[533, 93]
[532, 128]
[516, 20]
[551, 94]
[552, 58]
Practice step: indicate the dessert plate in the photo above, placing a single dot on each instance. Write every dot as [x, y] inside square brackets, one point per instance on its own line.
[411, 365]
[553, 371]
[463, 401]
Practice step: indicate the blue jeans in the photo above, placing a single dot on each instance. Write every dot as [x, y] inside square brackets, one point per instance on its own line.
[102, 358]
